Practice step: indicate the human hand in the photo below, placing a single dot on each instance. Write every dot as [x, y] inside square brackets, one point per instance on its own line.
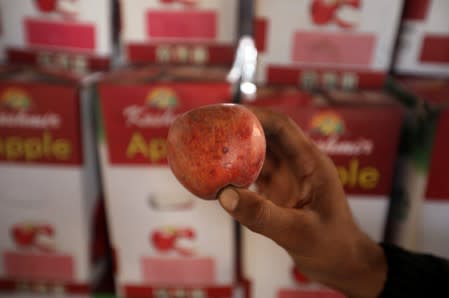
[301, 205]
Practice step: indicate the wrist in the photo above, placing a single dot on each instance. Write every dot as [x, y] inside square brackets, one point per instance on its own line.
[365, 272]
[356, 268]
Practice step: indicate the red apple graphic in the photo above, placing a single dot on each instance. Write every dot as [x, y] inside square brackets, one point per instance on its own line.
[23, 235]
[164, 239]
[186, 233]
[46, 230]
[185, 248]
[185, 244]
[44, 239]
[348, 15]
[323, 11]
[68, 8]
[46, 5]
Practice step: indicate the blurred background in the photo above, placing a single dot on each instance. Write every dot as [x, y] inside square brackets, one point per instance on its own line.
[89, 88]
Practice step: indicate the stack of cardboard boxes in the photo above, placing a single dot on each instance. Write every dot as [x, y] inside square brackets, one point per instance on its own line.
[165, 240]
[49, 182]
[175, 56]
[350, 128]
[51, 192]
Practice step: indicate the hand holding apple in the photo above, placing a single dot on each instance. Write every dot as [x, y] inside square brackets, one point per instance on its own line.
[301, 205]
[215, 146]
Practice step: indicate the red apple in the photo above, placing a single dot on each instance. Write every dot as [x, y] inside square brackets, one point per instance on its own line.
[214, 146]
[348, 15]
[164, 240]
[23, 235]
[46, 5]
[186, 247]
[46, 230]
[44, 239]
[323, 11]
[185, 233]
[68, 8]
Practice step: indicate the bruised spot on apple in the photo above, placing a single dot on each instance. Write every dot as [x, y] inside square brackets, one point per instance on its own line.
[215, 146]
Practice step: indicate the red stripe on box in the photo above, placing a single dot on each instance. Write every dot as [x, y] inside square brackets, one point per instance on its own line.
[308, 294]
[60, 34]
[17, 56]
[7, 285]
[333, 47]
[416, 10]
[260, 34]
[435, 49]
[135, 291]
[29, 266]
[11, 285]
[77, 288]
[181, 24]
[139, 53]
[292, 76]
[31, 57]
[173, 271]
[146, 53]
[221, 54]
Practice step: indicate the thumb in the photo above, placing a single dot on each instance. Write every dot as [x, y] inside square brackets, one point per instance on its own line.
[264, 217]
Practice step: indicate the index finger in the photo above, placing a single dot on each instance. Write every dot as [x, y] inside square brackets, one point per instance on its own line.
[288, 139]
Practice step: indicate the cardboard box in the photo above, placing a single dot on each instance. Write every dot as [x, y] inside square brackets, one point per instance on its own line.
[179, 31]
[317, 43]
[424, 39]
[282, 98]
[65, 34]
[49, 183]
[353, 135]
[165, 240]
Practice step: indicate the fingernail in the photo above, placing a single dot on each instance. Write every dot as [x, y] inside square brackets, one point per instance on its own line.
[229, 199]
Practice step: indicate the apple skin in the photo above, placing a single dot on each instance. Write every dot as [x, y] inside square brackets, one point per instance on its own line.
[215, 146]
